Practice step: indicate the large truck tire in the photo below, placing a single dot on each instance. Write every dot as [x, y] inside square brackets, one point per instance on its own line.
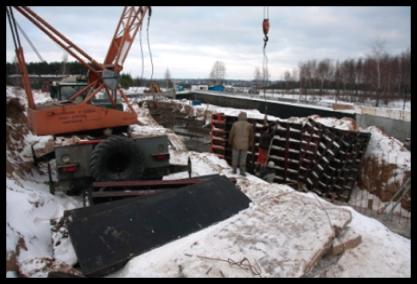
[116, 158]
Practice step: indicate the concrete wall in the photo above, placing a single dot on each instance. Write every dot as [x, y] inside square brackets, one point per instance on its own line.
[387, 112]
[399, 129]
[282, 110]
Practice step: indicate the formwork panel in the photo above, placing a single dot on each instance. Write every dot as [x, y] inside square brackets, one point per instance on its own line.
[318, 158]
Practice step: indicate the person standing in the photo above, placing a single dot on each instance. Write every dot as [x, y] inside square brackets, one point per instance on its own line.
[241, 138]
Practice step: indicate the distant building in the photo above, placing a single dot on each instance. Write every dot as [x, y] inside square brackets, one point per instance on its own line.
[216, 88]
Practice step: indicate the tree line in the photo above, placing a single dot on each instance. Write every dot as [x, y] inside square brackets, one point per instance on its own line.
[47, 68]
[76, 68]
[379, 76]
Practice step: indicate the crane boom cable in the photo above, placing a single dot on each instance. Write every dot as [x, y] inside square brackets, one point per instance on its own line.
[149, 46]
[30, 43]
[141, 53]
[20, 58]
[8, 13]
[13, 28]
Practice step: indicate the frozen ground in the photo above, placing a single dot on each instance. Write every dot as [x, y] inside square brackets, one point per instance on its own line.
[283, 233]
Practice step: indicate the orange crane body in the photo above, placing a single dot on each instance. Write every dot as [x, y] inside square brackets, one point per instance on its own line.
[70, 118]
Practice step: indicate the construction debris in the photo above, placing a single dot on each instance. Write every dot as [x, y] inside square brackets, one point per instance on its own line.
[106, 236]
[348, 240]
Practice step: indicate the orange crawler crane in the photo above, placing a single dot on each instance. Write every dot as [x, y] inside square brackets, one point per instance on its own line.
[73, 117]
[107, 152]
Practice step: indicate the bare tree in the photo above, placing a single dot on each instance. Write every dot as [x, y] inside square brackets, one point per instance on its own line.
[168, 80]
[218, 72]
[405, 85]
[294, 74]
[378, 51]
[358, 76]
[287, 76]
[64, 63]
[303, 78]
[323, 73]
[337, 79]
[287, 79]
[348, 75]
[258, 78]
[265, 76]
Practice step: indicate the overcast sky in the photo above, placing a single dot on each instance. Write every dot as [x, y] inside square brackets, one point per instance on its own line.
[188, 40]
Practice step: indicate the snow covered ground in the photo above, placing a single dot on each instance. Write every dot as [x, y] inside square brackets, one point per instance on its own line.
[330, 99]
[283, 233]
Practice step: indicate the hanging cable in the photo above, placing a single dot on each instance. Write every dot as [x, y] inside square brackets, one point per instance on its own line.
[13, 29]
[141, 53]
[265, 29]
[265, 77]
[14, 34]
[147, 39]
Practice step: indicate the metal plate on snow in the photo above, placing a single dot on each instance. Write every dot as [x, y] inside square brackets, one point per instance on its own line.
[105, 236]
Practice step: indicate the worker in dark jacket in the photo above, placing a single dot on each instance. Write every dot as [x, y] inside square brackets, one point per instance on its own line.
[240, 138]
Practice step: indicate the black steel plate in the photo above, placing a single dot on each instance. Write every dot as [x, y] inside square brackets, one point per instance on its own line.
[105, 236]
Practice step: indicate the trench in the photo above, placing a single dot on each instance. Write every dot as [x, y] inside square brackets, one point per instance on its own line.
[195, 134]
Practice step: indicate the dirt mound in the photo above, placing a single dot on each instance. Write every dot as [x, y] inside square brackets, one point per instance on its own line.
[375, 177]
[16, 130]
[385, 167]
[16, 126]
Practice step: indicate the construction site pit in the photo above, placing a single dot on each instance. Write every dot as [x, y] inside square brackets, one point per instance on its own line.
[196, 136]
[194, 132]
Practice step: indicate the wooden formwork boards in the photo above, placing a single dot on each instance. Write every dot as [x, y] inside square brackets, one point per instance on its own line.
[309, 156]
